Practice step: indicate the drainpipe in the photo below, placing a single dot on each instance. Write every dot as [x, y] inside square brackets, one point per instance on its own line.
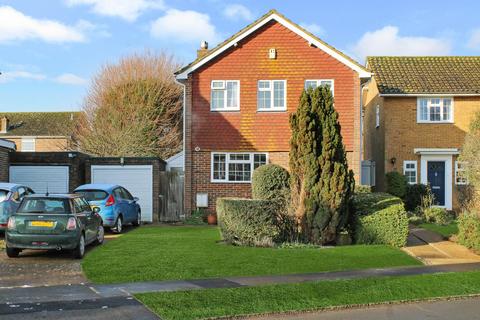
[362, 87]
[184, 113]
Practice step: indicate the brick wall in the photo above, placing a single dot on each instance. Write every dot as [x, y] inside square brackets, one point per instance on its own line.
[45, 144]
[4, 164]
[248, 129]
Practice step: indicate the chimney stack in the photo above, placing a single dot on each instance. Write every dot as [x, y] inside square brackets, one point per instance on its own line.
[4, 124]
[203, 49]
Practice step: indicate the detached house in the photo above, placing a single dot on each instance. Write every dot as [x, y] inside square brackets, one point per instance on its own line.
[417, 112]
[238, 98]
[39, 131]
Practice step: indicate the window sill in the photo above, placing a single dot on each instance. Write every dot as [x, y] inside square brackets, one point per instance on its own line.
[223, 181]
[435, 122]
[272, 110]
[225, 110]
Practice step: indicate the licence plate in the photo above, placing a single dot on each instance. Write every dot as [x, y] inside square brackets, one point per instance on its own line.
[48, 224]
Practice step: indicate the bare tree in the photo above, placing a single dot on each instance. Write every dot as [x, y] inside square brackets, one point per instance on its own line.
[133, 108]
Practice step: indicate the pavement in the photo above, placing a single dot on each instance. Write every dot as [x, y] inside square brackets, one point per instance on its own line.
[461, 309]
[432, 249]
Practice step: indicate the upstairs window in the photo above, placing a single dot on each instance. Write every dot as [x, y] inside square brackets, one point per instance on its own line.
[235, 167]
[28, 144]
[320, 82]
[225, 95]
[410, 171]
[435, 110]
[272, 95]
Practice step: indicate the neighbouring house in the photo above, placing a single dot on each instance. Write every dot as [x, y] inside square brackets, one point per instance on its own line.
[417, 112]
[238, 98]
[5, 148]
[39, 131]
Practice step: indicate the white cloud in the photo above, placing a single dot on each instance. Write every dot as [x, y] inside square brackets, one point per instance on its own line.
[128, 10]
[313, 28]
[95, 29]
[14, 25]
[237, 12]
[71, 79]
[10, 76]
[474, 41]
[184, 26]
[387, 41]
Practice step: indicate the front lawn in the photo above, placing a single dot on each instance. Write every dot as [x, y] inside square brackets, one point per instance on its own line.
[307, 296]
[174, 253]
[446, 231]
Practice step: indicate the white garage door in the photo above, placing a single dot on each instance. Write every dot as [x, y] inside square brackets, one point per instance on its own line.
[41, 179]
[136, 179]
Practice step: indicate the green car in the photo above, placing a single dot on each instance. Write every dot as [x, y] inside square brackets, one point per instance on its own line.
[53, 222]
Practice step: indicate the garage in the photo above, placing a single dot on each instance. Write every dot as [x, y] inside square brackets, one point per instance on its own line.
[54, 179]
[138, 179]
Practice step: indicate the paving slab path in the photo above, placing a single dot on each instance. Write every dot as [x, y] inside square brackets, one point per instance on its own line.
[432, 249]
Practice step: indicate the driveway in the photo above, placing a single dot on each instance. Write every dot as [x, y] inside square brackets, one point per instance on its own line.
[42, 268]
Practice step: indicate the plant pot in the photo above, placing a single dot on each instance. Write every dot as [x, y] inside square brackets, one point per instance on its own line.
[212, 219]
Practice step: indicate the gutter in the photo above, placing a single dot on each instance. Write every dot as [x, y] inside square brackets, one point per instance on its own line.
[429, 94]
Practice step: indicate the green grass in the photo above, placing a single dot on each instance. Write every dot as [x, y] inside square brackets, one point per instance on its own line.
[307, 296]
[445, 231]
[173, 253]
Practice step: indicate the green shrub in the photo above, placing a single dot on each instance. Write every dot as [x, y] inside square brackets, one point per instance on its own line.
[437, 215]
[414, 194]
[249, 222]
[270, 182]
[396, 184]
[363, 189]
[469, 231]
[379, 218]
[198, 217]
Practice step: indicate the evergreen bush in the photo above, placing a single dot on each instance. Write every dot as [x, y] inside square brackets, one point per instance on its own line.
[270, 182]
[469, 230]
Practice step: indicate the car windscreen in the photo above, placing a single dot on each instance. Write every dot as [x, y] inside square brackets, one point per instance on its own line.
[93, 195]
[44, 205]
[3, 195]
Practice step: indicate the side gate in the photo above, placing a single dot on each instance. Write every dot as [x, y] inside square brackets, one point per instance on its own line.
[171, 196]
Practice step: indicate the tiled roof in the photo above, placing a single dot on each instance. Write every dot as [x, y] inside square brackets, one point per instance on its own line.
[40, 123]
[426, 75]
[253, 25]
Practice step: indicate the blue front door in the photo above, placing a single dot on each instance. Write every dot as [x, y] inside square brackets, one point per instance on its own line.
[436, 179]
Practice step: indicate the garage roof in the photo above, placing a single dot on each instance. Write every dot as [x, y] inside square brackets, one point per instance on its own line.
[40, 123]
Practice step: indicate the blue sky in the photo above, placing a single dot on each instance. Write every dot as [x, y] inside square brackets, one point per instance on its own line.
[49, 49]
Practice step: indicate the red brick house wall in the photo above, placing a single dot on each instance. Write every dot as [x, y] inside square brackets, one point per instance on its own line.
[249, 129]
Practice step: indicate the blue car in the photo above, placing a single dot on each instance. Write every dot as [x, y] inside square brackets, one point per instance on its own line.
[11, 195]
[117, 206]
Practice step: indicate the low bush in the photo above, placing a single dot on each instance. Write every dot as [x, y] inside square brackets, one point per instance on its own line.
[249, 222]
[438, 216]
[363, 189]
[270, 182]
[414, 194]
[379, 218]
[469, 230]
[396, 184]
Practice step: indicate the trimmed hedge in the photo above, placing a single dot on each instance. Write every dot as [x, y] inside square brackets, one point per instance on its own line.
[437, 215]
[396, 184]
[360, 188]
[469, 231]
[248, 222]
[270, 182]
[379, 218]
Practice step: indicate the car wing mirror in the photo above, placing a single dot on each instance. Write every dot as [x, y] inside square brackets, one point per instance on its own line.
[135, 199]
[96, 210]
[16, 197]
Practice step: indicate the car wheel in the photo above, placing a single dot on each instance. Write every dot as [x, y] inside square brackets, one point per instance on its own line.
[139, 219]
[79, 251]
[118, 225]
[12, 252]
[100, 235]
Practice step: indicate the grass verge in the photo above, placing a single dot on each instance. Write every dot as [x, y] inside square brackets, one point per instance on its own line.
[446, 231]
[174, 253]
[210, 303]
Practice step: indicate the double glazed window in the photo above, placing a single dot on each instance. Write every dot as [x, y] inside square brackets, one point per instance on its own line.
[431, 110]
[225, 95]
[235, 167]
[460, 174]
[272, 95]
[410, 171]
[320, 82]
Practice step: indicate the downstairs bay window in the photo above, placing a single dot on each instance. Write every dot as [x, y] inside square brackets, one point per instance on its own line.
[235, 166]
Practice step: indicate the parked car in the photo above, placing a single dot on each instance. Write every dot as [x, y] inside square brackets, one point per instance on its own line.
[60, 222]
[117, 206]
[11, 195]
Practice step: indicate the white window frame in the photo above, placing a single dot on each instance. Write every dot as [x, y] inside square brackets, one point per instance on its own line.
[377, 116]
[224, 88]
[228, 161]
[461, 170]
[419, 99]
[405, 169]
[29, 140]
[271, 89]
[318, 81]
